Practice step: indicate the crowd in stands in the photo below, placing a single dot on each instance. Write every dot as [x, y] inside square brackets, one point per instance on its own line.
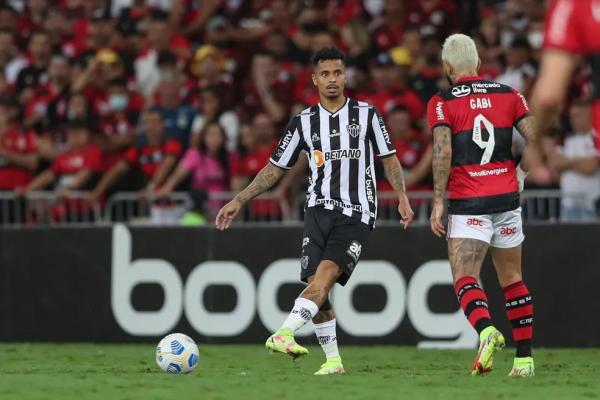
[157, 96]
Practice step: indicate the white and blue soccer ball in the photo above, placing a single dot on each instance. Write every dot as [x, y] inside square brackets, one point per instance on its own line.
[177, 354]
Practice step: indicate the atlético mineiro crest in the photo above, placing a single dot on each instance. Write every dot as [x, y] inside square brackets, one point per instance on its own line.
[353, 130]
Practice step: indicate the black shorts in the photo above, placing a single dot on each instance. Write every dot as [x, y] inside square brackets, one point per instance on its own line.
[330, 235]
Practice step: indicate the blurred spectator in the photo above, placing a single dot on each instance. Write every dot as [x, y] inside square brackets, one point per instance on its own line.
[208, 165]
[579, 165]
[519, 73]
[155, 159]
[212, 110]
[118, 126]
[389, 28]
[93, 80]
[159, 36]
[75, 168]
[208, 69]
[268, 89]
[11, 62]
[412, 149]
[177, 116]
[428, 73]
[18, 148]
[389, 87]
[355, 37]
[196, 215]
[43, 111]
[35, 73]
[257, 142]
[434, 17]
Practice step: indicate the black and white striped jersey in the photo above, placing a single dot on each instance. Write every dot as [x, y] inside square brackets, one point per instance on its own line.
[340, 147]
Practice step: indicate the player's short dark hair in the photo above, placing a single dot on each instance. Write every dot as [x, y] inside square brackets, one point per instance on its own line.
[327, 53]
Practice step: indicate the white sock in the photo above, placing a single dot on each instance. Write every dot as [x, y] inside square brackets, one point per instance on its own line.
[327, 338]
[303, 311]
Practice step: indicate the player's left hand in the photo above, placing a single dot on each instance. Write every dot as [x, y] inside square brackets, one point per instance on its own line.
[405, 210]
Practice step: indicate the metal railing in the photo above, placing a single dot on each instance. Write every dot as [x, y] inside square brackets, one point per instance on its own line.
[74, 208]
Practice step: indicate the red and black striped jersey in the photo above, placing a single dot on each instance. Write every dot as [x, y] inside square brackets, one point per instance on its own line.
[574, 26]
[481, 115]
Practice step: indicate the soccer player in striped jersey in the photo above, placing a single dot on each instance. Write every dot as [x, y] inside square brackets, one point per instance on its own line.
[472, 125]
[340, 137]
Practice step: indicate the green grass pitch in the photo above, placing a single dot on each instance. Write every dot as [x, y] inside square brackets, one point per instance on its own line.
[89, 371]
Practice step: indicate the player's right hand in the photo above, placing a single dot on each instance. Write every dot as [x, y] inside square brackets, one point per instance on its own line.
[437, 227]
[227, 214]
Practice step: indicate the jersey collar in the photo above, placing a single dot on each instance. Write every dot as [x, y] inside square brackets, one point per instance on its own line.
[468, 79]
[333, 114]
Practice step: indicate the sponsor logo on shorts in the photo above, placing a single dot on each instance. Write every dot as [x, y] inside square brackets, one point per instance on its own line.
[508, 230]
[304, 262]
[474, 222]
[354, 250]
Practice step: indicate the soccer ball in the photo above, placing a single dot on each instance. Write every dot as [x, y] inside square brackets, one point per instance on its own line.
[177, 354]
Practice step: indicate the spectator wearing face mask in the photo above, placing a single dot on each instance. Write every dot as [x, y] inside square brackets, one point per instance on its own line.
[119, 124]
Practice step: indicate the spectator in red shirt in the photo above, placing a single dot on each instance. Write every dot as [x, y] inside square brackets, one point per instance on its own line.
[268, 89]
[438, 17]
[257, 142]
[412, 149]
[75, 168]
[155, 159]
[389, 88]
[93, 80]
[118, 126]
[389, 29]
[42, 111]
[18, 149]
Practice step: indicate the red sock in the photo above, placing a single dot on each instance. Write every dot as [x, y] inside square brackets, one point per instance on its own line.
[473, 301]
[519, 309]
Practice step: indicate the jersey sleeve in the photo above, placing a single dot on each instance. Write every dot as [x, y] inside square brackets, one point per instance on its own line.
[437, 113]
[93, 159]
[289, 147]
[380, 138]
[562, 28]
[521, 107]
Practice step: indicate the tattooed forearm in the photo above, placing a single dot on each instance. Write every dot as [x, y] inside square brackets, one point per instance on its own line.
[393, 172]
[266, 178]
[442, 160]
[526, 128]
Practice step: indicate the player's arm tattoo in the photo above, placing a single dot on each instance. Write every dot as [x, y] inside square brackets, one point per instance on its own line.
[466, 255]
[442, 160]
[266, 178]
[526, 127]
[393, 172]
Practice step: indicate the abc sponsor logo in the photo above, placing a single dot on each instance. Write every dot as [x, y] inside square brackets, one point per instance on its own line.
[508, 230]
[475, 222]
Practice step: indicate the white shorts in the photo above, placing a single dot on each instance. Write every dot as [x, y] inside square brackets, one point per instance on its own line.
[503, 230]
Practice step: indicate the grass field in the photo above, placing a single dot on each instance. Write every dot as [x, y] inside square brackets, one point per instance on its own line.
[87, 371]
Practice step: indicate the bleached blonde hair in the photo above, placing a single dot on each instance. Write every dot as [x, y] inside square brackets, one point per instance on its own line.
[460, 52]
